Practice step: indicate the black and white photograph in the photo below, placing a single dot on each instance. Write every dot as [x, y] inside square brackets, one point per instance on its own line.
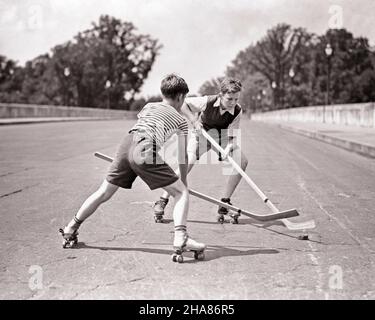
[187, 151]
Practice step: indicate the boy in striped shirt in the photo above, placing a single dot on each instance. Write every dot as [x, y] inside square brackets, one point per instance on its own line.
[220, 116]
[138, 155]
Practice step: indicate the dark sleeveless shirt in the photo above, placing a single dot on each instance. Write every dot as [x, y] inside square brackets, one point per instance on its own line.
[211, 117]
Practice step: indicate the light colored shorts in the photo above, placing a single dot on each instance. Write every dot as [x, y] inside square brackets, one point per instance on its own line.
[198, 144]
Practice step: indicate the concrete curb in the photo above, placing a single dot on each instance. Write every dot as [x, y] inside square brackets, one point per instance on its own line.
[15, 121]
[360, 148]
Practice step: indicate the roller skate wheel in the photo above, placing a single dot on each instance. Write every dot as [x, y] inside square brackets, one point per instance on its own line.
[70, 243]
[220, 219]
[158, 219]
[234, 220]
[177, 258]
[67, 245]
[199, 255]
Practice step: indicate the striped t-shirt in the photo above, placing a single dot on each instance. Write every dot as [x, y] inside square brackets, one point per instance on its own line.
[159, 122]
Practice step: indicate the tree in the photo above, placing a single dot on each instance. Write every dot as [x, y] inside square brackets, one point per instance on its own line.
[104, 66]
[290, 65]
[39, 83]
[210, 87]
[107, 62]
[352, 72]
[139, 103]
[282, 49]
[8, 68]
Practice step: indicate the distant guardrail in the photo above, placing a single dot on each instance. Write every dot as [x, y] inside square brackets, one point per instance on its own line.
[359, 114]
[15, 110]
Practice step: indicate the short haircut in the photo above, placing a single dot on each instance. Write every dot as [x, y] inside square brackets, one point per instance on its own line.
[230, 85]
[173, 85]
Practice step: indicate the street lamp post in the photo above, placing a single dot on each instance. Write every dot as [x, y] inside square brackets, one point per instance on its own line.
[264, 94]
[66, 91]
[259, 98]
[291, 75]
[274, 86]
[107, 86]
[328, 51]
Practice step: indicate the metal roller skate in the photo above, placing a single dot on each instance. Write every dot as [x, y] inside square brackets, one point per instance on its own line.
[159, 207]
[70, 239]
[188, 244]
[220, 218]
[222, 211]
[234, 217]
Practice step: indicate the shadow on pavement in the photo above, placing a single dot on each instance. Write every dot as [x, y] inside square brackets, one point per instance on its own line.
[267, 226]
[211, 253]
[215, 252]
[242, 221]
[197, 221]
[260, 225]
[206, 222]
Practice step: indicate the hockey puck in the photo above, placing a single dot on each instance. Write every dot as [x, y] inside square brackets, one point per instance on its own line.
[303, 237]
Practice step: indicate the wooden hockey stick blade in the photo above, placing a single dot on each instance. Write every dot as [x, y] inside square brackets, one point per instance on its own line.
[268, 217]
[310, 224]
[289, 224]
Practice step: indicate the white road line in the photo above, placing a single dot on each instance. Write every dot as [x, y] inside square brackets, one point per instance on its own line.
[342, 225]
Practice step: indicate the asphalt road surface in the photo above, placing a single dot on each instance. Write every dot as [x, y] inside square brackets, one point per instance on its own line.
[48, 170]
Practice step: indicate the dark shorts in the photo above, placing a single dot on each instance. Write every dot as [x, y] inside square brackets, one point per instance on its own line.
[138, 156]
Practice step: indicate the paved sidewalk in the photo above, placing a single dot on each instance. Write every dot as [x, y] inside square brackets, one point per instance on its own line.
[356, 139]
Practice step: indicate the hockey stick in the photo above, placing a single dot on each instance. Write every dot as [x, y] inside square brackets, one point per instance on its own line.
[289, 224]
[268, 217]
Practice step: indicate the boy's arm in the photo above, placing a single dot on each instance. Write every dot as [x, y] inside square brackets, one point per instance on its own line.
[233, 129]
[188, 113]
[183, 157]
[191, 109]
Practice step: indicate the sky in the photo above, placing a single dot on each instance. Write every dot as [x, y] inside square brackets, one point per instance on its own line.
[200, 38]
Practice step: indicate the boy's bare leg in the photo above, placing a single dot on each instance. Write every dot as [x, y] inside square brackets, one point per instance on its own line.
[233, 181]
[103, 194]
[160, 205]
[181, 206]
[182, 242]
[235, 177]
[192, 159]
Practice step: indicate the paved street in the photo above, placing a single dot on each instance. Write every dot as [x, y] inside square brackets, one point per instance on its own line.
[47, 171]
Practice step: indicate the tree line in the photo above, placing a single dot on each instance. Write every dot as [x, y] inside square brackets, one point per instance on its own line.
[106, 66]
[290, 67]
[102, 67]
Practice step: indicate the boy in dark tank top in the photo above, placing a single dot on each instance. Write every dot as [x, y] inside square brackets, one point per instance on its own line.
[220, 116]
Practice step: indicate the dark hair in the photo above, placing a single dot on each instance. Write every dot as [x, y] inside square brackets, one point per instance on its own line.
[230, 85]
[173, 85]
